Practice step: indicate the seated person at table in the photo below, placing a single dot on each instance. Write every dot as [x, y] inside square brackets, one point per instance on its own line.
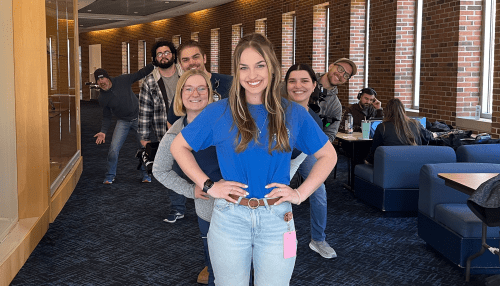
[398, 129]
[367, 107]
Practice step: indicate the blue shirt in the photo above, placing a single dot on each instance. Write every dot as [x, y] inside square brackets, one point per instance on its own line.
[254, 167]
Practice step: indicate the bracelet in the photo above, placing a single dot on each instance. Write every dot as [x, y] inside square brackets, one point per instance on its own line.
[300, 200]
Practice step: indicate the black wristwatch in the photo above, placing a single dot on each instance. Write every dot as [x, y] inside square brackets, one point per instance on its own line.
[207, 185]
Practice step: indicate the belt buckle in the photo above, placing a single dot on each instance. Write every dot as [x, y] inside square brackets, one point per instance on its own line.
[254, 199]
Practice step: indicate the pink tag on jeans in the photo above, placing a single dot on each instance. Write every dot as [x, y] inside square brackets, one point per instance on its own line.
[289, 244]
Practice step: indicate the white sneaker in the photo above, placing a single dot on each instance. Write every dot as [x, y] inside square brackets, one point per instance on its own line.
[323, 248]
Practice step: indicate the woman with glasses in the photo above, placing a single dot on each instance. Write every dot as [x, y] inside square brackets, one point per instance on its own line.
[193, 94]
[301, 84]
[254, 132]
[398, 129]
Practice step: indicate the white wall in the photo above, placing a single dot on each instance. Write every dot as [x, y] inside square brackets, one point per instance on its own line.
[8, 162]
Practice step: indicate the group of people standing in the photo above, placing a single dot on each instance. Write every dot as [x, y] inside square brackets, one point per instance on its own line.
[228, 143]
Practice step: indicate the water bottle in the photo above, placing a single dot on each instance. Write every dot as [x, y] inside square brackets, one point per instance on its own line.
[349, 123]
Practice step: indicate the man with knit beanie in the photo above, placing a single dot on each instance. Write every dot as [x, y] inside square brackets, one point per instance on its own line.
[117, 98]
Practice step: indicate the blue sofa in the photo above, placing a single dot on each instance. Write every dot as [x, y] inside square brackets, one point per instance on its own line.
[446, 223]
[479, 153]
[391, 184]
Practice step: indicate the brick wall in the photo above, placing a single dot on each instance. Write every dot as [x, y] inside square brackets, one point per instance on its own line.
[449, 42]
[214, 50]
[469, 58]
[357, 48]
[382, 48]
[235, 38]
[439, 60]
[319, 38]
[405, 51]
[287, 43]
[261, 26]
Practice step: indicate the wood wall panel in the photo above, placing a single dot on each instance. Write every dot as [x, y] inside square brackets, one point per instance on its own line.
[32, 117]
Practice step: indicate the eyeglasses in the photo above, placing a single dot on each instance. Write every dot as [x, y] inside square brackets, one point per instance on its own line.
[342, 70]
[202, 89]
[164, 54]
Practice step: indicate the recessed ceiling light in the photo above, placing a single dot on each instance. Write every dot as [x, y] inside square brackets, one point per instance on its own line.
[89, 10]
[136, 12]
[166, 2]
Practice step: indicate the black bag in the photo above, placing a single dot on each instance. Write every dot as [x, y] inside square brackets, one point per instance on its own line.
[147, 156]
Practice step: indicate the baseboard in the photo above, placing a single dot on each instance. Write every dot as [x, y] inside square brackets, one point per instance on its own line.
[19, 244]
[65, 190]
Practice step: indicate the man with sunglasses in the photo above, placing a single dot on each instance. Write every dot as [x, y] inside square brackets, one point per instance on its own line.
[330, 108]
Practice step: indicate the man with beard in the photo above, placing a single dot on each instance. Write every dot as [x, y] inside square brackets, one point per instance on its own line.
[117, 98]
[156, 96]
[367, 107]
[330, 108]
[192, 56]
[157, 92]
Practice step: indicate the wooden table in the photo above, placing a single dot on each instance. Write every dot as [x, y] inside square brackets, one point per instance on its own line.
[468, 183]
[465, 182]
[352, 143]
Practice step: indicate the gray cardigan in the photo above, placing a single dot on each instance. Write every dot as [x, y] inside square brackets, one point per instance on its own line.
[164, 173]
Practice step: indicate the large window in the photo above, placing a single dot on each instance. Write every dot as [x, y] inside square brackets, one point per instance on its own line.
[237, 33]
[488, 56]
[62, 101]
[418, 50]
[214, 50]
[287, 42]
[320, 38]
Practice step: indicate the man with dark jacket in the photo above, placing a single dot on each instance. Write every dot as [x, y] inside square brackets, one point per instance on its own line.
[117, 98]
[368, 107]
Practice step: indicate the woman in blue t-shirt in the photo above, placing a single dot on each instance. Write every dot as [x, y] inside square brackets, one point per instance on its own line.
[254, 132]
[301, 83]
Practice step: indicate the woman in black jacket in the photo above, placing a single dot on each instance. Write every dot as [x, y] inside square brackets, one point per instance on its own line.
[398, 129]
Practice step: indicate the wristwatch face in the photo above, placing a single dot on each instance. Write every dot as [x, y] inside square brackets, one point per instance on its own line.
[207, 185]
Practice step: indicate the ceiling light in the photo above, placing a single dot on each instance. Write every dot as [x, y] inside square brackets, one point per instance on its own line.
[136, 12]
[89, 10]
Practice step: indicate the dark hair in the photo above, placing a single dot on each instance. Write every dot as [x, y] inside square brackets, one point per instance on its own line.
[191, 44]
[367, 90]
[305, 67]
[301, 67]
[168, 44]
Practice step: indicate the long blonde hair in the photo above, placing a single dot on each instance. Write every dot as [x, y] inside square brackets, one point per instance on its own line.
[395, 113]
[271, 98]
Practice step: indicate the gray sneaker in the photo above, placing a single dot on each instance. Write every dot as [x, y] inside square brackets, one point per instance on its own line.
[323, 248]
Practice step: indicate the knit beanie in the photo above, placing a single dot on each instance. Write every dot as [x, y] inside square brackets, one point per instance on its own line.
[100, 73]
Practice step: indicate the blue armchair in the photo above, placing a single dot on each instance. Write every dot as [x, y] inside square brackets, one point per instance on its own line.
[479, 153]
[446, 223]
[391, 184]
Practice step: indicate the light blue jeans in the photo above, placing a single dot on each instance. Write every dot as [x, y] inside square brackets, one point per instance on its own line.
[317, 202]
[120, 134]
[239, 236]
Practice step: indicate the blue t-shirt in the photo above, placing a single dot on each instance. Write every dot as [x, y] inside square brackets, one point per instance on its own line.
[254, 167]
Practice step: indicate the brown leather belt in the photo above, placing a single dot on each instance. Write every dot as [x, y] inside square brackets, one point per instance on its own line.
[254, 203]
